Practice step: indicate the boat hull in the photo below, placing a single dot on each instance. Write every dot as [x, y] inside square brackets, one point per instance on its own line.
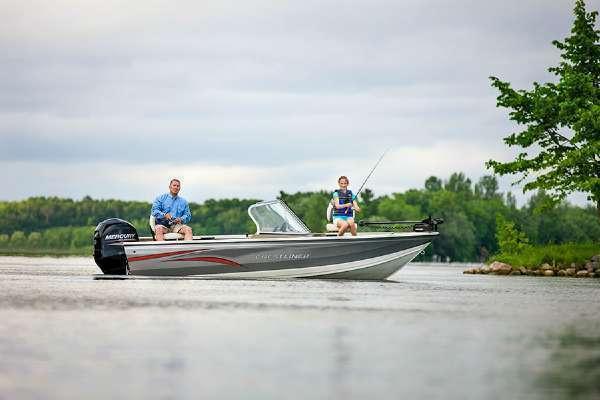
[369, 257]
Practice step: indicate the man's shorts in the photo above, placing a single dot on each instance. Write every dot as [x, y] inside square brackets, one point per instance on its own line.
[175, 228]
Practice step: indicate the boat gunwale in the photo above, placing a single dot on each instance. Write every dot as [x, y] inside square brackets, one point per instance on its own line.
[295, 239]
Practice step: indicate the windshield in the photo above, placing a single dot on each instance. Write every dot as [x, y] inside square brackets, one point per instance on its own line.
[275, 217]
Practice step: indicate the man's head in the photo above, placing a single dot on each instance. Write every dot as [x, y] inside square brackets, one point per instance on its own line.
[343, 181]
[174, 186]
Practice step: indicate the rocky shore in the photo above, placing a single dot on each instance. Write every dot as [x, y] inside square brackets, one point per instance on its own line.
[591, 269]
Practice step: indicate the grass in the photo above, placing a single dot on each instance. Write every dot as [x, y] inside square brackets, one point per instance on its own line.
[555, 254]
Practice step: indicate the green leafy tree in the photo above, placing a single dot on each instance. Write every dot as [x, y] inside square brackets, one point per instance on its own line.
[510, 239]
[4, 241]
[396, 208]
[433, 184]
[561, 135]
[34, 239]
[459, 183]
[487, 187]
[18, 239]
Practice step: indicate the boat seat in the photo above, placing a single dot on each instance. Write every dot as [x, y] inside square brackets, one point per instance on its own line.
[331, 227]
[168, 236]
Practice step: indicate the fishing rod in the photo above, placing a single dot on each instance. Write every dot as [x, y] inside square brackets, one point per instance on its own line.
[370, 173]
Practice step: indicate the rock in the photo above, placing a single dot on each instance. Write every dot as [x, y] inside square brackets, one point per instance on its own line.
[596, 258]
[546, 267]
[523, 271]
[589, 267]
[485, 269]
[583, 273]
[571, 271]
[500, 268]
[573, 265]
[471, 271]
[515, 272]
[531, 272]
[548, 272]
[562, 272]
[592, 275]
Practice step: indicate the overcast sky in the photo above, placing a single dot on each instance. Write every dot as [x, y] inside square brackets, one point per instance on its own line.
[245, 98]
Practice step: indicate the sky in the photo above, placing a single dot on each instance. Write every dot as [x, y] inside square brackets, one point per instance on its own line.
[111, 99]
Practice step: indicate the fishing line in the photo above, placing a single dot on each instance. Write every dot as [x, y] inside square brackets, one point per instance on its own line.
[370, 173]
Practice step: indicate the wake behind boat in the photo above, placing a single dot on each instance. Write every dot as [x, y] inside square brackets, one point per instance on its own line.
[283, 247]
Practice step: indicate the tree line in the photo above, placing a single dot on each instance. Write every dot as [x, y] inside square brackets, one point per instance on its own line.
[471, 213]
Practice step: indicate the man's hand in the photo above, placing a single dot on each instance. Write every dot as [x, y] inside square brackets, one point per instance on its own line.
[357, 208]
[178, 220]
[168, 216]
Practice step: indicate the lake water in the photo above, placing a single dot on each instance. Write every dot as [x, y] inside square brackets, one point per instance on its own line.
[432, 333]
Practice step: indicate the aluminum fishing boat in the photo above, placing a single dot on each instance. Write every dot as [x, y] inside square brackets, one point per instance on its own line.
[282, 247]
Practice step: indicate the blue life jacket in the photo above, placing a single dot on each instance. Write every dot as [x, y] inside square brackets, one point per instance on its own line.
[344, 198]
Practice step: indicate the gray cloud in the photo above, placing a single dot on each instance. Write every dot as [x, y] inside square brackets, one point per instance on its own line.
[260, 84]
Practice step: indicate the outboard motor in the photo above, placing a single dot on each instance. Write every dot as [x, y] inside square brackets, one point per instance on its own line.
[108, 249]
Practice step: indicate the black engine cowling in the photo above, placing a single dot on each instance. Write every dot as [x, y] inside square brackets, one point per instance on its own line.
[109, 253]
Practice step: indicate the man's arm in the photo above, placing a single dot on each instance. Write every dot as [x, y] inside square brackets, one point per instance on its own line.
[187, 214]
[157, 208]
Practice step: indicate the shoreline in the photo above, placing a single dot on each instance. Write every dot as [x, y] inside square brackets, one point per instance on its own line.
[47, 253]
[589, 269]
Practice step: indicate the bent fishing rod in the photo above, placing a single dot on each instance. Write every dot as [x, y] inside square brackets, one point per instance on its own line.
[370, 173]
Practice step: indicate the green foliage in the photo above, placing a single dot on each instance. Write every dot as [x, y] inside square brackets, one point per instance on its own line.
[510, 239]
[433, 184]
[57, 240]
[468, 234]
[397, 208]
[214, 217]
[561, 254]
[17, 239]
[39, 213]
[561, 135]
[458, 183]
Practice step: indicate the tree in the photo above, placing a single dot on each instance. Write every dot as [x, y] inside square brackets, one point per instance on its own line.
[510, 239]
[487, 187]
[561, 139]
[366, 197]
[459, 183]
[433, 184]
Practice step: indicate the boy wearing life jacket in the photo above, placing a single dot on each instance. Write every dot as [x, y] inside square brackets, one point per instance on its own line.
[343, 205]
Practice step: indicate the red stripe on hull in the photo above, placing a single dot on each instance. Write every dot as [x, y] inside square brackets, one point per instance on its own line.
[217, 260]
[159, 255]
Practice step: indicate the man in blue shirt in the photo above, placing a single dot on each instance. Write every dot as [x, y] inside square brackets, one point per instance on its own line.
[172, 212]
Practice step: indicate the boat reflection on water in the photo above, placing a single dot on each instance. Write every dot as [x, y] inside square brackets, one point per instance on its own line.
[282, 247]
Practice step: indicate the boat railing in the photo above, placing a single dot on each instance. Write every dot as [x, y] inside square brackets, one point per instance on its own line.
[426, 225]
